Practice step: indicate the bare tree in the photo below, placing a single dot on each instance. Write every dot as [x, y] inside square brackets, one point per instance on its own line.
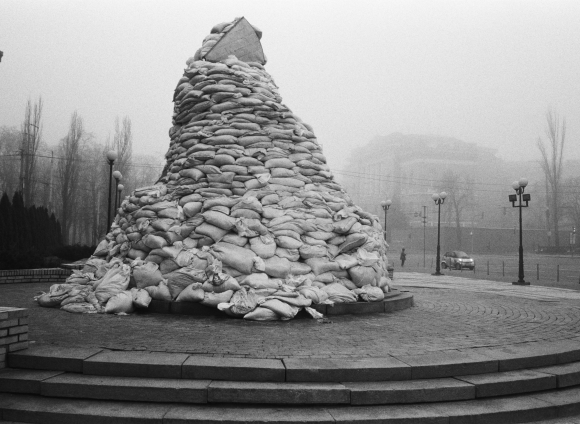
[459, 191]
[123, 144]
[68, 172]
[31, 136]
[552, 153]
[10, 140]
[572, 209]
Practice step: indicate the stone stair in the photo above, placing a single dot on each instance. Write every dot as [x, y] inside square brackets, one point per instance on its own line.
[61, 385]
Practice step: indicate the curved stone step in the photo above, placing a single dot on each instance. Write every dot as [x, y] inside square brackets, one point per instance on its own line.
[58, 384]
[389, 368]
[511, 409]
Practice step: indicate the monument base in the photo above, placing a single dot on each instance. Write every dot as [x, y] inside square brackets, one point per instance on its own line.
[521, 283]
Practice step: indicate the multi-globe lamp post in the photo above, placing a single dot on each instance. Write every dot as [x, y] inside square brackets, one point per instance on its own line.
[439, 199]
[117, 176]
[111, 158]
[386, 204]
[520, 187]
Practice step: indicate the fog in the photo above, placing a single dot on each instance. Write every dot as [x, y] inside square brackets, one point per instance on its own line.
[482, 71]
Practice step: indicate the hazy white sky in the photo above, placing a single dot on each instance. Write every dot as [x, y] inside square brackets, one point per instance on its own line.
[481, 71]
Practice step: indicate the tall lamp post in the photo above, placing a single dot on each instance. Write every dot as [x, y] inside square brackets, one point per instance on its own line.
[120, 188]
[439, 200]
[117, 176]
[111, 157]
[519, 187]
[386, 204]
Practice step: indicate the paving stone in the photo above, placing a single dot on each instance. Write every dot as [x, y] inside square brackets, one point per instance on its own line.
[233, 369]
[46, 357]
[31, 408]
[508, 410]
[410, 391]
[447, 364]
[136, 364]
[566, 400]
[510, 382]
[388, 414]
[126, 388]
[23, 380]
[232, 414]
[567, 374]
[278, 393]
[337, 370]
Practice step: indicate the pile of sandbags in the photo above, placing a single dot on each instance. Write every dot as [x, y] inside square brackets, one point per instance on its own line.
[246, 207]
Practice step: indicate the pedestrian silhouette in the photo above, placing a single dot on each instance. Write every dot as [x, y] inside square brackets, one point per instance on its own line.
[403, 257]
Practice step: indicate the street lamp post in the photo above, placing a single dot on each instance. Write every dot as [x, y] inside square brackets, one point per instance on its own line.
[120, 188]
[519, 187]
[117, 176]
[111, 157]
[386, 204]
[439, 199]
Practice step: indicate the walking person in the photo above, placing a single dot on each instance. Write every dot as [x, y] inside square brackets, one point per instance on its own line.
[403, 257]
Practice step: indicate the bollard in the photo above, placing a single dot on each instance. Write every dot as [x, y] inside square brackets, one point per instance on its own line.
[487, 267]
[558, 273]
[503, 268]
[537, 271]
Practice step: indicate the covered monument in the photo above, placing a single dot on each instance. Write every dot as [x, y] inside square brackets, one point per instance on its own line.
[246, 216]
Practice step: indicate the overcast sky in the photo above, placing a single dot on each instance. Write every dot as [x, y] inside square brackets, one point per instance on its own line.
[481, 71]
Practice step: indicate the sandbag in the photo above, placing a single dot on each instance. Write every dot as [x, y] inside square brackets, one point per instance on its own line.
[370, 293]
[141, 299]
[147, 274]
[282, 309]
[234, 256]
[277, 267]
[262, 314]
[363, 275]
[213, 299]
[242, 302]
[258, 281]
[263, 246]
[191, 293]
[159, 292]
[120, 303]
[115, 281]
[337, 293]
[313, 293]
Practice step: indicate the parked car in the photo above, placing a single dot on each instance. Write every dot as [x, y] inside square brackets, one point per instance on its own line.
[458, 260]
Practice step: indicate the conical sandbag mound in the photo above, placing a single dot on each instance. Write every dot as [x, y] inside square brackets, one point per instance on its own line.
[246, 216]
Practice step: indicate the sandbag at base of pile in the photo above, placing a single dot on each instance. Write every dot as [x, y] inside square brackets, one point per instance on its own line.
[246, 216]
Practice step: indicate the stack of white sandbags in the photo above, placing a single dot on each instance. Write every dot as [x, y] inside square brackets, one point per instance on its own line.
[246, 211]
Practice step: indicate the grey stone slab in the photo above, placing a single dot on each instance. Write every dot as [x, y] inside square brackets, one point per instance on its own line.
[37, 409]
[24, 380]
[159, 306]
[409, 391]
[355, 308]
[510, 382]
[45, 357]
[231, 414]
[566, 400]
[126, 388]
[567, 374]
[193, 308]
[448, 364]
[136, 364]
[337, 370]
[400, 302]
[277, 393]
[233, 369]
[502, 410]
[533, 355]
[387, 414]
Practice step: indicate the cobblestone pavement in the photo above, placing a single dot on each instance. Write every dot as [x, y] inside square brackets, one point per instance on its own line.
[450, 313]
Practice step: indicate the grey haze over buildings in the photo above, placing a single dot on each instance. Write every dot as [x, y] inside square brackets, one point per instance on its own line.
[484, 72]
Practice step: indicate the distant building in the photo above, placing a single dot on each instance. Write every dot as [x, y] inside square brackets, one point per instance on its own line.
[409, 168]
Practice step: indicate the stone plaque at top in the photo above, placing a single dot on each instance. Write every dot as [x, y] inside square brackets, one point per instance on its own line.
[241, 40]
